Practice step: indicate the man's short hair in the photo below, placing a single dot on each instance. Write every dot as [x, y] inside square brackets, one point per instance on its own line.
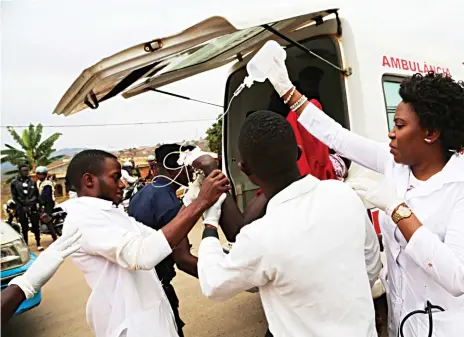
[87, 161]
[171, 153]
[267, 144]
[20, 166]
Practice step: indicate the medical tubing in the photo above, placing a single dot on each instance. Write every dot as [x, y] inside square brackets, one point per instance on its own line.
[172, 169]
[236, 93]
[428, 310]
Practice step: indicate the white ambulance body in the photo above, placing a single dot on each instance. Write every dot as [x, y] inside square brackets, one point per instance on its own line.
[374, 45]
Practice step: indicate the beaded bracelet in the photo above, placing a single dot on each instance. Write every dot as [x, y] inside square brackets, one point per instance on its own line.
[290, 96]
[303, 99]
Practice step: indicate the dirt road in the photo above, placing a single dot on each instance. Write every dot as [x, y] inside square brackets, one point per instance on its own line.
[62, 311]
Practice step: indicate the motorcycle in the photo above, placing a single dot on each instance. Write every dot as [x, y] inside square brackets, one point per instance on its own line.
[10, 209]
[129, 192]
[56, 219]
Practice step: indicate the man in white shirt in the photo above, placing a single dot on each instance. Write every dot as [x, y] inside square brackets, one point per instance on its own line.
[306, 254]
[118, 254]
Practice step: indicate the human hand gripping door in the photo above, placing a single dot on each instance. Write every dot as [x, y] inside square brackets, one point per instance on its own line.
[47, 263]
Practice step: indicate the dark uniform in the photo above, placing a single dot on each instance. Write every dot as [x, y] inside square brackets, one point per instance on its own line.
[26, 196]
[47, 203]
[155, 207]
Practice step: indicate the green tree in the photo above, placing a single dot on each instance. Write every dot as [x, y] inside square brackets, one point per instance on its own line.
[214, 137]
[31, 151]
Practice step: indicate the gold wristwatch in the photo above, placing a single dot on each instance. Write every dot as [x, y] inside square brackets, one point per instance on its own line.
[401, 212]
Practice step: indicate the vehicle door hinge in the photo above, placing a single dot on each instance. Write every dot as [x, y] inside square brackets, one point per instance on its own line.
[91, 100]
[152, 46]
[339, 23]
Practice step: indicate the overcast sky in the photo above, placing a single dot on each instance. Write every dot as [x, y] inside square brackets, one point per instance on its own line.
[47, 44]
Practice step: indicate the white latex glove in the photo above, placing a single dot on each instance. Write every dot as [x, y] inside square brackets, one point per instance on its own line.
[381, 195]
[47, 264]
[193, 191]
[212, 214]
[279, 78]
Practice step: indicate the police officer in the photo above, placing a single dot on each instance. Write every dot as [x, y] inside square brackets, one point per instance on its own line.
[155, 206]
[26, 196]
[46, 198]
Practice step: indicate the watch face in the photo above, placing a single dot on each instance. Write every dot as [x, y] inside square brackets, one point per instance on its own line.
[404, 211]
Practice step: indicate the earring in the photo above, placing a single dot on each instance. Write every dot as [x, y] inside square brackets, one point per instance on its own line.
[427, 140]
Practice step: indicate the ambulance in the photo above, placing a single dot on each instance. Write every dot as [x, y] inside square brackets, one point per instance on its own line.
[363, 48]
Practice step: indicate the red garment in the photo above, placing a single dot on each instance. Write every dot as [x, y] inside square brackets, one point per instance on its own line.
[314, 159]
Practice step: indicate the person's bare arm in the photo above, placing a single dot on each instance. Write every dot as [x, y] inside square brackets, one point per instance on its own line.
[184, 259]
[231, 220]
[255, 209]
[12, 297]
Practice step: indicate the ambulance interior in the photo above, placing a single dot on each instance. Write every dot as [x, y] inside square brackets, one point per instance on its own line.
[304, 71]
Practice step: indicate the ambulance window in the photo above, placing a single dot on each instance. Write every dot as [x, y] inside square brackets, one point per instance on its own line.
[391, 87]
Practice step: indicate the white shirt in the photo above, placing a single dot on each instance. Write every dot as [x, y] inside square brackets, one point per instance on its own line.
[306, 255]
[127, 178]
[117, 258]
[431, 265]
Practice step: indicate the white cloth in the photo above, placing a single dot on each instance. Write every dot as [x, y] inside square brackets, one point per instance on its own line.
[127, 178]
[117, 258]
[307, 260]
[41, 185]
[429, 267]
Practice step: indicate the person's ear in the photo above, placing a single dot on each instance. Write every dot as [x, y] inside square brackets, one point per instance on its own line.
[431, 136]
[244, 168]
[89, 180]
[300, 152]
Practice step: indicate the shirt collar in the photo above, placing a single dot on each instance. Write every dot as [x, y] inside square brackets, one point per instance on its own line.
[94, 202]
[451, 173]
[293, 191]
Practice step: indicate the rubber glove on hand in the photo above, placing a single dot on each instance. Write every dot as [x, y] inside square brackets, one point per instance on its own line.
[47, 264]
[193, 190]
[381, 195]
[279, 77]
[212, 214]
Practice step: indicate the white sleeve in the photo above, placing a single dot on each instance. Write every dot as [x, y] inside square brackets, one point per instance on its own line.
[130, 249]
[443, 261]
[372, 253]
[366, 152]
[223, 276]
[127, 177]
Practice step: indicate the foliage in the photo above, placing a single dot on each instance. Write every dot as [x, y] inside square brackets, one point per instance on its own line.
[214, 137]
[31, 151]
